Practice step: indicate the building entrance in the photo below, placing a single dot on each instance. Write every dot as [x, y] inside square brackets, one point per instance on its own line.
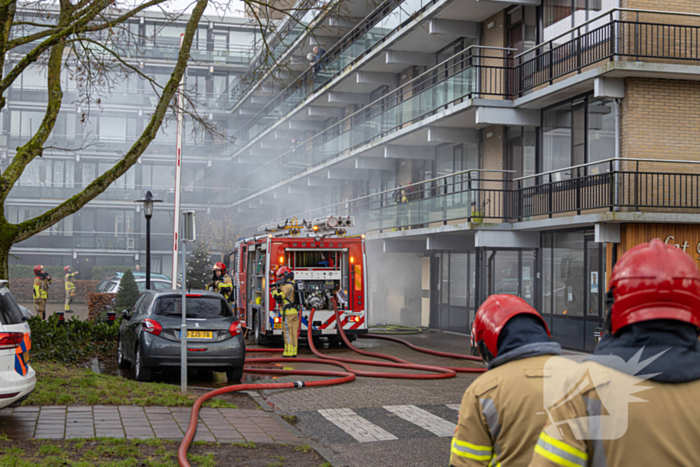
[573, 287]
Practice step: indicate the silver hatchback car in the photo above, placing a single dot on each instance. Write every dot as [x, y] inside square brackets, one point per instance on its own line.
[149, 335]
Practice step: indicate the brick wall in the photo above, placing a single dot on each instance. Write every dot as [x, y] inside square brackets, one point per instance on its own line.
[492, 158]
[492, 78]
[659, 121]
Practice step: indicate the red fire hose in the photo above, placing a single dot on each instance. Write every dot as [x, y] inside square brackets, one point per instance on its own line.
[339, 377]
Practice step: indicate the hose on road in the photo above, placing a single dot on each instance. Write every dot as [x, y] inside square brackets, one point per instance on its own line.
[396, 329]
[338, 377]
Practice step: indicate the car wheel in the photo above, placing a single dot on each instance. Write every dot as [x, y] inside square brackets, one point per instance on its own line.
[234, 375]
[143, 374]
[121, 360]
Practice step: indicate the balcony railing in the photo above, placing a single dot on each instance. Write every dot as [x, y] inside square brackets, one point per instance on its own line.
[389, 17]
[441, 87]
[625, 185]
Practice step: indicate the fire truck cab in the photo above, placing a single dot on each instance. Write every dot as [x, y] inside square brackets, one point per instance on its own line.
[325, 264]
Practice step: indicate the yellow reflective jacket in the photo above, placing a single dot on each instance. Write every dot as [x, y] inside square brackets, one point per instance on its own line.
[222, 284]
[41, 288]
[502, 414]
[284, 294]
[70, 281]
[635, 422]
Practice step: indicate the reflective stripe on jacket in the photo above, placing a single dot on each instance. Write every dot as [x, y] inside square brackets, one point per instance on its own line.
[632, 422]
[501, 415]
[41, 288]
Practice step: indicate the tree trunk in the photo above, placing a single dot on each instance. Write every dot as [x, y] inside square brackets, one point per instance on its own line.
[8, 233]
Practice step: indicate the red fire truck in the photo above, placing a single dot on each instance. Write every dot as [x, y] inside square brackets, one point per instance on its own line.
[325, 263]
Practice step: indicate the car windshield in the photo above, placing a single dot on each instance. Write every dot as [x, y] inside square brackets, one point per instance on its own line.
[9, 310]
[199, 307]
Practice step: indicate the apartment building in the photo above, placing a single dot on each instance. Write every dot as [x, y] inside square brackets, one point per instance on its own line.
[111, 229]
[483, 147]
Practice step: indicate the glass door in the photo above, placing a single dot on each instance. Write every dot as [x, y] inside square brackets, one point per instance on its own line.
[595, 287]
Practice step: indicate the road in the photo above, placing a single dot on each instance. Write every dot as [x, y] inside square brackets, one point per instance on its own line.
[382, 422]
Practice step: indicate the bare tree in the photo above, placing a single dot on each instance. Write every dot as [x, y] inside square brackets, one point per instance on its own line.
[68, 37]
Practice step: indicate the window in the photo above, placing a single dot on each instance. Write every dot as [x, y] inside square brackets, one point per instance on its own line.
[575, 133]
[197, 307]
[558, 16]
[9, 310]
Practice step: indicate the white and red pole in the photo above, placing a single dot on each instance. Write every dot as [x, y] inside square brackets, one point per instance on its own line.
[178, 170]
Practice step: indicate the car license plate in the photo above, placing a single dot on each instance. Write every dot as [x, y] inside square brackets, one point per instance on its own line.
[278, 325]
[199, 335]
[328, 331]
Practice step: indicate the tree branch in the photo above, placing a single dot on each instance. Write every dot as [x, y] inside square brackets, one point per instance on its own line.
[33, 226]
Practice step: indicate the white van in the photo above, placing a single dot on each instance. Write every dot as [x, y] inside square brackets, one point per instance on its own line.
[17, 378]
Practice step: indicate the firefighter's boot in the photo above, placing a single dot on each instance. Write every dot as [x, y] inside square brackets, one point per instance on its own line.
[287, 350]
[294, 351]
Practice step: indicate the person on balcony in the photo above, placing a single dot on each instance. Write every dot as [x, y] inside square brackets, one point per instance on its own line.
[315, 58]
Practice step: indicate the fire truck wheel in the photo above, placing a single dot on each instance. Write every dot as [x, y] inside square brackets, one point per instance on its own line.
[335, 341]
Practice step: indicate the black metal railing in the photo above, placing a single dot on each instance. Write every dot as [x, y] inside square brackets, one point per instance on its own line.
[491, 196]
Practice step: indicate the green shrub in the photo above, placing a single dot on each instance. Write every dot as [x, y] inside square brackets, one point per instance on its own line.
[128, 292]
[105, 272]
[26, 271]
[74, 342]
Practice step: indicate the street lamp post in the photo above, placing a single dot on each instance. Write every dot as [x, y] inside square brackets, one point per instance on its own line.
[147, 202]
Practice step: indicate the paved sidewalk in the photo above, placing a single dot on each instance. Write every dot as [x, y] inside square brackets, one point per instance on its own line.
[61, 422]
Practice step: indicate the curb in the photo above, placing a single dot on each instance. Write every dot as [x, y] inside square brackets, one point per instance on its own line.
[322, 451]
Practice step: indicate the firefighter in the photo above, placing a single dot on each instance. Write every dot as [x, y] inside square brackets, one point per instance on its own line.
[221, 282]
[70, 287]
[284, 294]
[502, 412]
[42, 280]
[651, 329]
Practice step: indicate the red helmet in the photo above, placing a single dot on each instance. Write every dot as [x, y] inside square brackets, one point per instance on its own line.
[283, 271]
[219, 267]
[654, 281]
[37, 269]
[491, 318]
[66, 269]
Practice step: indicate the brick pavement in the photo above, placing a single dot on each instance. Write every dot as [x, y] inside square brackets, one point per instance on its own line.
[61, 422]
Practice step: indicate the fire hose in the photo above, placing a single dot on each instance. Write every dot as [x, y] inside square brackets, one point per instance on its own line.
[338, 377]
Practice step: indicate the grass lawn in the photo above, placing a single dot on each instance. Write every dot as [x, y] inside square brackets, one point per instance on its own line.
[61, 385]
[110, 452]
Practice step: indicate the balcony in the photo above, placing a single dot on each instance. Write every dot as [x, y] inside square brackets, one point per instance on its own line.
[439, 88]
[367, 35]
[631, 186]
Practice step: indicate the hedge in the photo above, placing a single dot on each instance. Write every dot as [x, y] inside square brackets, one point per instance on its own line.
[25, 271]
[98, 303]
[23, 290]
[74, 342]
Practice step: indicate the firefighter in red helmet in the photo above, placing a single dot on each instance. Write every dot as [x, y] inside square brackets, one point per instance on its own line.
[42, 281]
[221, 282]
[284, 294]
[650, 349]
[502, 412]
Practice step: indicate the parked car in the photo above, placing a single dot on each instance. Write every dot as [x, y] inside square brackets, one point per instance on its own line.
[17, 378]
[149, 335]
[158, 282]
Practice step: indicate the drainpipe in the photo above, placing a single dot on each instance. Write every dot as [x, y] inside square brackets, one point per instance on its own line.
[616, 163]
